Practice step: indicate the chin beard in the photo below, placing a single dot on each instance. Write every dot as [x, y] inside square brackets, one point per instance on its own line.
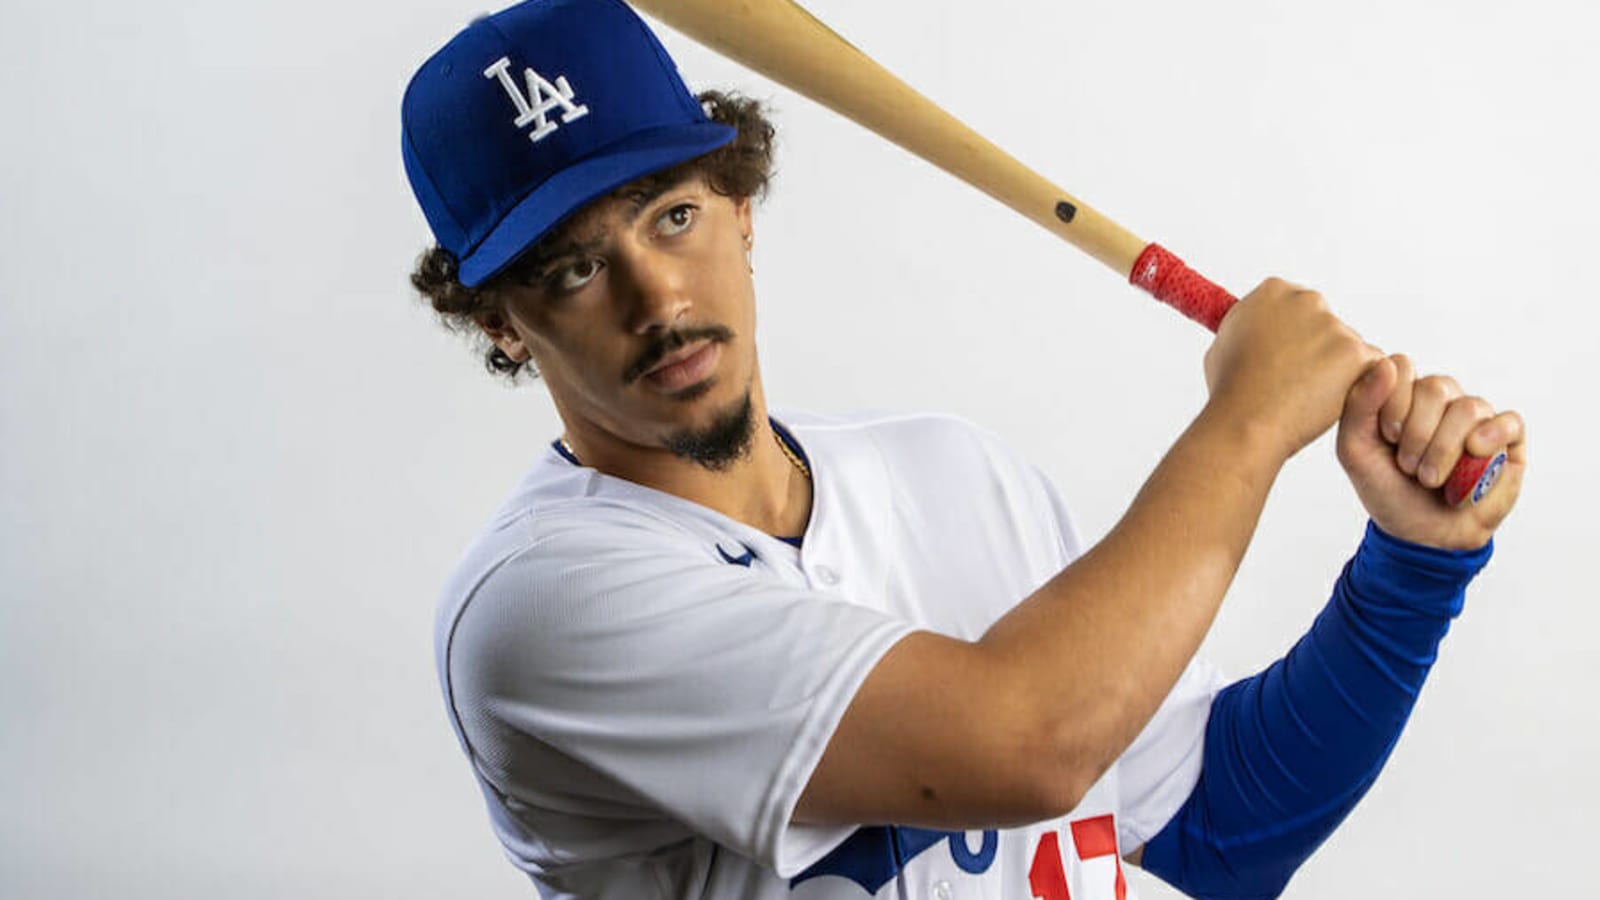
[720, 444]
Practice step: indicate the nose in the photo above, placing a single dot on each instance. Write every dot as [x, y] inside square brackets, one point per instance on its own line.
[655, 289]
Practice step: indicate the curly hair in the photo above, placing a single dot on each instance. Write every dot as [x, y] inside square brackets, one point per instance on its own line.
[739, 169]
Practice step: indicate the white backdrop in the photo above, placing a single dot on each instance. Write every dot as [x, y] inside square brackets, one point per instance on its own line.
[239, 456]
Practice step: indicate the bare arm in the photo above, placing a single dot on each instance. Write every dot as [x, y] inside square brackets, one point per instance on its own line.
[1015, 726]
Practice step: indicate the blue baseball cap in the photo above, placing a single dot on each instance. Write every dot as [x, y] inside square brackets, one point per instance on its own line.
[532, 112]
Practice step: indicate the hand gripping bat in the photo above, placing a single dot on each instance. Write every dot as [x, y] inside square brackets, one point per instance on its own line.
[784, 42]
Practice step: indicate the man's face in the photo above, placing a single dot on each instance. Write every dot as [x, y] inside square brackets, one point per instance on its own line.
[642, 318]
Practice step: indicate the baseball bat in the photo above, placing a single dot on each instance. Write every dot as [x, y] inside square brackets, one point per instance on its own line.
[784, 42]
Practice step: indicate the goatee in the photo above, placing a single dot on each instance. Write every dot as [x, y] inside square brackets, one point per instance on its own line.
[720, 444]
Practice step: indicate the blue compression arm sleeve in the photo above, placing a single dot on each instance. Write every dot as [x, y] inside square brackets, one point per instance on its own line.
[1289, 751]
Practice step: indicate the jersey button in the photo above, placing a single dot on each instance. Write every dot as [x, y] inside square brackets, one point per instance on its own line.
[827, 576]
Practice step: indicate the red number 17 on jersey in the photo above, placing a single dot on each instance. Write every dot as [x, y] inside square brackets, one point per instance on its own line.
[1091, 839]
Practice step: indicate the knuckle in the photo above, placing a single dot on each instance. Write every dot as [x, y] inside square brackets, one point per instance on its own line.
[1438, 455]
[1350, 344]
[1432, 387]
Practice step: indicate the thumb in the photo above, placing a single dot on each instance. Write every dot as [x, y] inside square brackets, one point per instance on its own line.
[1366, 397]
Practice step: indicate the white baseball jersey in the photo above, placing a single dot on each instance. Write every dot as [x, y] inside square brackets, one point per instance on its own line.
[643, 685]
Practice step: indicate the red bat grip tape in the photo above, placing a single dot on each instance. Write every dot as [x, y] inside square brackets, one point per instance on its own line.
[1164, 276]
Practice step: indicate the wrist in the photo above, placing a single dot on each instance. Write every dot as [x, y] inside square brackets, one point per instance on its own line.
[1400, 572]
[1443, 560]
[1434, 527]
[1248, 434]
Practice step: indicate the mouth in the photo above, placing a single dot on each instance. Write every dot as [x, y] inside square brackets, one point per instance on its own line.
[686, 367]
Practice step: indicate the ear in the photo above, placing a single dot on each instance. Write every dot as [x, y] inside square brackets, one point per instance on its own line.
[742, 213]
[499, 329]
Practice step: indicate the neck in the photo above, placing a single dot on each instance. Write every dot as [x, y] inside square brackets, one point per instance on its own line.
[763, 489]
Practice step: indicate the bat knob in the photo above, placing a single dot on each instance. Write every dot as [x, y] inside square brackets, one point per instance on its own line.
[1472, 478]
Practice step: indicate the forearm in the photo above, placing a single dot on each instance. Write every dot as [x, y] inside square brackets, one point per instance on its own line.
[1048, 698]
[1100, 644]
[1290, 751]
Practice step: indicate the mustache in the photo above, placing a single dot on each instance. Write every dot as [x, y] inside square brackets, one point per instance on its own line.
[672, 341]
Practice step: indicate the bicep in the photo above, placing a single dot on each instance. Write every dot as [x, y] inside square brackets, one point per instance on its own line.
[941, 735]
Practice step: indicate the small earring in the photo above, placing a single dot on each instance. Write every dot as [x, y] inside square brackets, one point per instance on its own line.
[749, 246]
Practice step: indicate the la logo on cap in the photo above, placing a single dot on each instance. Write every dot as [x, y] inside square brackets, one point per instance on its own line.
[543, 97]
[490, 191]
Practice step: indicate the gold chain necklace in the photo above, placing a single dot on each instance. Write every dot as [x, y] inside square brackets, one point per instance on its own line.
[782, 445]
[793, 457]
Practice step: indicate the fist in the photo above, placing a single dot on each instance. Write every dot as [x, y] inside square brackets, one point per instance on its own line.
[1399, 437]
[1282, 364]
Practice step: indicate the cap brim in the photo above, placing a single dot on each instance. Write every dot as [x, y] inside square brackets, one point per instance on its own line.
[569, 190]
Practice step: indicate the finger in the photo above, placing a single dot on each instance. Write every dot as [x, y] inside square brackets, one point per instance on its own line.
[1500, 432]
[1393, 415]
[1498, 504]
[1461, 417]
[1429, 398]
[1517, 450]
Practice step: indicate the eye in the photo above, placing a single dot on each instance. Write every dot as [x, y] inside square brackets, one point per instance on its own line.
[575, 275]
[677, 219]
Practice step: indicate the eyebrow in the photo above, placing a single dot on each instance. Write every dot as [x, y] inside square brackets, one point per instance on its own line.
[642, 197]
[541, 257]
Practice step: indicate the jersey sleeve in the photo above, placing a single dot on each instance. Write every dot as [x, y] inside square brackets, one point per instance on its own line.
[702, 690]
[1161, 767]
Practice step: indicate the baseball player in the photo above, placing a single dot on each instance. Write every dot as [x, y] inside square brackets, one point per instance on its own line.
[712, 648]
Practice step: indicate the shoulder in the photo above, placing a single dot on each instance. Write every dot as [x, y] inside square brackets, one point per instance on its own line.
[558, 512]
[922, 445]
[579, 588]
[530, 551]
[563, 533]
[938, 438]
[941, 466]
[880, 422]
